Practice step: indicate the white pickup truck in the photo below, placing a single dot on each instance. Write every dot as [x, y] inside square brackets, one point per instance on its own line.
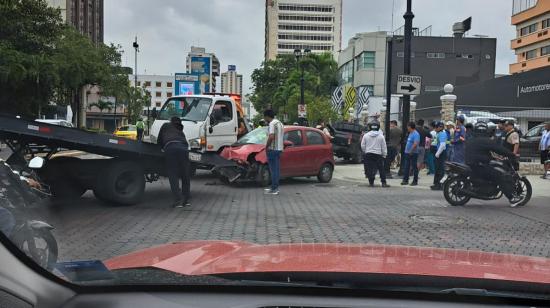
[210, 122]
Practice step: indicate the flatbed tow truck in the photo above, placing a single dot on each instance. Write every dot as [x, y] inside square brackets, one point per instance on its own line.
[118, 176]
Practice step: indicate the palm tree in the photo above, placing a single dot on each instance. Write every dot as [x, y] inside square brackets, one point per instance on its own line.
[102, 105]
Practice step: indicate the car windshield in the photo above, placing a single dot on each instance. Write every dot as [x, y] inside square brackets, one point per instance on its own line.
[188, 108]
[396, 145]
[257, 136]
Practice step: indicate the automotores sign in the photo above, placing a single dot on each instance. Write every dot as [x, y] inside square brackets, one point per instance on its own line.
[531, 89]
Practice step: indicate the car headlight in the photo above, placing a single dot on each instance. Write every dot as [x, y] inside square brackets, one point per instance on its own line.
[195, 143]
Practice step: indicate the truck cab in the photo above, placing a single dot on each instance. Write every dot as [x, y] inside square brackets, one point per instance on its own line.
[210, 122]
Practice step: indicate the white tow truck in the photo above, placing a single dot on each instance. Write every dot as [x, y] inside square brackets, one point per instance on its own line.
[210, 122]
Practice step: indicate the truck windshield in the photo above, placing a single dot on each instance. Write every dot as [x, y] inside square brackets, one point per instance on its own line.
[187, 108]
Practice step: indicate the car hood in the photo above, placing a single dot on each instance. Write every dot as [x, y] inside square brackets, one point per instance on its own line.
[222, 257]
[241, 152]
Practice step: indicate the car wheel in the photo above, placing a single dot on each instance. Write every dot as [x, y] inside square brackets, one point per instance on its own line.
[263, 177]
[325, 173]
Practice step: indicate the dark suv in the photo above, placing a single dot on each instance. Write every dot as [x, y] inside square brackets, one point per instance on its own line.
[347, 141]
[529, 145]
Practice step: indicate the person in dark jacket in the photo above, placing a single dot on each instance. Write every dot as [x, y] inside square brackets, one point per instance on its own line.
[176, 153]
[479, 155]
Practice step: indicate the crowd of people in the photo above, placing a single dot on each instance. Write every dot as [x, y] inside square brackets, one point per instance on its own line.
[430, 147]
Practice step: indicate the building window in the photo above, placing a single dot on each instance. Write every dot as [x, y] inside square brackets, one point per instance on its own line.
[292, 47]
[367, 60]
[304, 37]
[169, 94]
[545, 50]
[401, 54]
[139, 83]
[519, 6]
[168, 84]
[531, 54]
[147, 84]
[305, 18]
[435, 55]
[158, 94]
[305, 27]
[546, 23]
[528, 30]
[158, 84]
[433, 88]
[158, 104]
[370, 88]
[346, 72]
[464, 56]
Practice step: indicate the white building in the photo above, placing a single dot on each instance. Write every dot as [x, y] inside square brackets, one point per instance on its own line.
[302, 24]
[363, 62]
[231, 81]
[208, 71]
[161, 87]
[249, 110]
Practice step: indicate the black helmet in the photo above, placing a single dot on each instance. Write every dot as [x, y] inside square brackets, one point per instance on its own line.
[374, 126]
[481, 129]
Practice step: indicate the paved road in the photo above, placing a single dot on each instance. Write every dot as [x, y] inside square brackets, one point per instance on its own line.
[343, 211]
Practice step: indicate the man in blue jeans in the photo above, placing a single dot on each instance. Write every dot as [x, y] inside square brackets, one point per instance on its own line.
[411, 155]
[274, 147]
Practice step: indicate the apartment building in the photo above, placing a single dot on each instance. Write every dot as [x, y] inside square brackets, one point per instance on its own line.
[85, 15]
[302, 24]
[231, 82]
[161, 87]
[206, 65]
[532, 43]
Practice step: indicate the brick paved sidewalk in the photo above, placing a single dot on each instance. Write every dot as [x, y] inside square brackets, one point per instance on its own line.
[339, 212]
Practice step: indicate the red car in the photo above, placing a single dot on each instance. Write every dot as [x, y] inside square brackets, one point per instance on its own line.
[308, 152]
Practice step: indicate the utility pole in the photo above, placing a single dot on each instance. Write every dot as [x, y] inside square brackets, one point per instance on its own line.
[136, 49]
[409, 16]
[388, 88]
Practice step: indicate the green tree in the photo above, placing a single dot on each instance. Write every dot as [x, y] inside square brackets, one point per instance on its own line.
[277, 84]
[102, 105]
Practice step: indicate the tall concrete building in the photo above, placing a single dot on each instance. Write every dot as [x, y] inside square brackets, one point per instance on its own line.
[206, 66]
[439, 60]
[85, 15]
[231, 81]
[161, 87]
[532, 42]
[302, 24]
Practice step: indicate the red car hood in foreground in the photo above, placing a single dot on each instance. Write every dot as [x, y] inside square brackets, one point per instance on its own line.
[219, 257]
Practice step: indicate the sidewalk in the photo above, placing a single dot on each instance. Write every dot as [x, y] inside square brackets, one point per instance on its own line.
[355, 173]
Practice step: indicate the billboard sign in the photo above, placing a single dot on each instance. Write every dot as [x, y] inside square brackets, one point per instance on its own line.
[232, 68]
[187, 84]
[202, 67]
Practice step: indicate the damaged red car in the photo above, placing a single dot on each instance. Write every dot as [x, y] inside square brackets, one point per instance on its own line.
[307, 152]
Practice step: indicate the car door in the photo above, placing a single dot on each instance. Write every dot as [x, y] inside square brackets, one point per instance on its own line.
[529, 147]
[223, 121]
[314, 151]
[292, 161]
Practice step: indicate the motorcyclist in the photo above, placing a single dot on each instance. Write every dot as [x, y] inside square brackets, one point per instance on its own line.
[479, 153]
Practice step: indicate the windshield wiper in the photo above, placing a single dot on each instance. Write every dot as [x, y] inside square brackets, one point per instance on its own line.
[189, 120]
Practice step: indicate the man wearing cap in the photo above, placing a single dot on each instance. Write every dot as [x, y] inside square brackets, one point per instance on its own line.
[374, 146]
[458, 140]
[440, 155]
[545, 149]
[500, 132]
[511, 140]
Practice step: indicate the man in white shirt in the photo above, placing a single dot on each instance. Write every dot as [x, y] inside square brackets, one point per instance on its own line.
[274, 147]
[544, 148]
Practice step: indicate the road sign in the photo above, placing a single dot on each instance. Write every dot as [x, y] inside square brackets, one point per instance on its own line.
[409, 85]
[302, 111]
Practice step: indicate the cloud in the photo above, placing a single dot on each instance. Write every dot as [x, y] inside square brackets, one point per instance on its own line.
[234, 29]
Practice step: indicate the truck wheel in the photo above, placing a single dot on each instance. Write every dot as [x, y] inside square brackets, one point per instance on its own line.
[263, 177]
[122, 182]
[57, 175]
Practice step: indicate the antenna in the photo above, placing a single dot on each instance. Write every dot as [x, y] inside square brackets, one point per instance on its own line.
[392, 13]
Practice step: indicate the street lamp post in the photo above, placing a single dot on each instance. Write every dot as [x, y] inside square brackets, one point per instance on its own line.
[409, 16]
[299, 54]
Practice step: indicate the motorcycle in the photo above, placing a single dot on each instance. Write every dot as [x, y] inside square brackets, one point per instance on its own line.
[460, 186]
[33, 237]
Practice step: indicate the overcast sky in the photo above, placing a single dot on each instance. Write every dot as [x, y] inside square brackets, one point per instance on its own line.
[234, 29]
